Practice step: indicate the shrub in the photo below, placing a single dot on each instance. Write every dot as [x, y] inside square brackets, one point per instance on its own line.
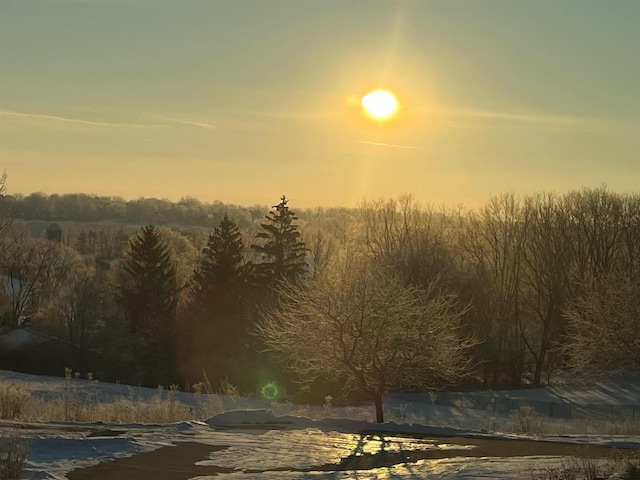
[525, 418]
[13, 453]
[228, 388]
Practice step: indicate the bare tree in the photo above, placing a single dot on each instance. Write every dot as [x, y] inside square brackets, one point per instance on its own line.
[76, 311]
[360, 323]
[603, 327]
[7, 207]
[631, 235]
[385, 226]
[416, 241]
[597, 218]
[34, 270]
[494, 242]
[546, 271]
[322, 247]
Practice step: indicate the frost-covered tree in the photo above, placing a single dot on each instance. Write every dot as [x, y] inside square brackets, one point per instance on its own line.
[34, 271]
[77, 312]
[359, 323]
[279, 239]
[322, 247]
[182, 254]
[603, 334]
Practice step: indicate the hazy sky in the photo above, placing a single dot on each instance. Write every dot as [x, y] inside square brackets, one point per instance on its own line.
[242, 101]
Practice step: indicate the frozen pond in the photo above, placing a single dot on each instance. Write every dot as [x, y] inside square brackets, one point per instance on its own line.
[196, 450]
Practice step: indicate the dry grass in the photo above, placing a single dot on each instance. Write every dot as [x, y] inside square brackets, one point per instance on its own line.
[13, 454]
[523, 420]
[16, 403]
[580, 468]
[77, 403]
[12, 401]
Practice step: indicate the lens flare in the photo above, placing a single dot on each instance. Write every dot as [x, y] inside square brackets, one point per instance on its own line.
[270, 391]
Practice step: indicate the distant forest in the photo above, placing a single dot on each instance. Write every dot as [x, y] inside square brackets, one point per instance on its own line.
[82, 207]
[531, 285]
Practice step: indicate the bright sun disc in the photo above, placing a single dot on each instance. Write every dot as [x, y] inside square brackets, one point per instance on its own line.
[380, 104]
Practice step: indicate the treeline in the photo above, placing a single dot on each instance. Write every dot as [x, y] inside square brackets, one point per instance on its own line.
[81, 207]
[543, 282]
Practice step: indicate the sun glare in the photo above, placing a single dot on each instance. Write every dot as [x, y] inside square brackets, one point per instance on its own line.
[380, 104]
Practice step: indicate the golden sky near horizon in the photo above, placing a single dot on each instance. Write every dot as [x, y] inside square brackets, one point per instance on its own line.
[244, 101]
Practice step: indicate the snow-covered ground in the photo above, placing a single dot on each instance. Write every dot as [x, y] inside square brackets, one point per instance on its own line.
[251, 438]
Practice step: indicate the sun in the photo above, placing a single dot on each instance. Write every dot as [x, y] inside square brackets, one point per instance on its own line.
[380, 104]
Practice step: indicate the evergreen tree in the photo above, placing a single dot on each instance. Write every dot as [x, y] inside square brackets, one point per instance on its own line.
[149, 295]
[213, 333]
[223, 257]
[280, 241]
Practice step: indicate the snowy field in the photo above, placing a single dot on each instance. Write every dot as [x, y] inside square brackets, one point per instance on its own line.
[250, 438]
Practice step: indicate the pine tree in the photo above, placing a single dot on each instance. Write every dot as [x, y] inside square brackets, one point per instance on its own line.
[149, 295]
[223, 257]
[280, 241]
[213, 332]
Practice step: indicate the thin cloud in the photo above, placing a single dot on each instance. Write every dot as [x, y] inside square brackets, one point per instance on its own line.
[281, 115]
[523, 117]
[498, 119]
[390, 145]
[294, 115]
[77, 121]
[185, 122]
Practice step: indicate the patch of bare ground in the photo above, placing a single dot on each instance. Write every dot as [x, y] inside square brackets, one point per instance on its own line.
[176, 462]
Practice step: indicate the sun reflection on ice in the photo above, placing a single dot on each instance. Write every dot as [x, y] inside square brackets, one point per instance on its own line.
[310, 450]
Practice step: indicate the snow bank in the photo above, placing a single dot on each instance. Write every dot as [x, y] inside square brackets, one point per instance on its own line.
[267, 420]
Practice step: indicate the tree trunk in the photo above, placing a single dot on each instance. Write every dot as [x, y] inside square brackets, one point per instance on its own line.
[537, 375]
[378, 403]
